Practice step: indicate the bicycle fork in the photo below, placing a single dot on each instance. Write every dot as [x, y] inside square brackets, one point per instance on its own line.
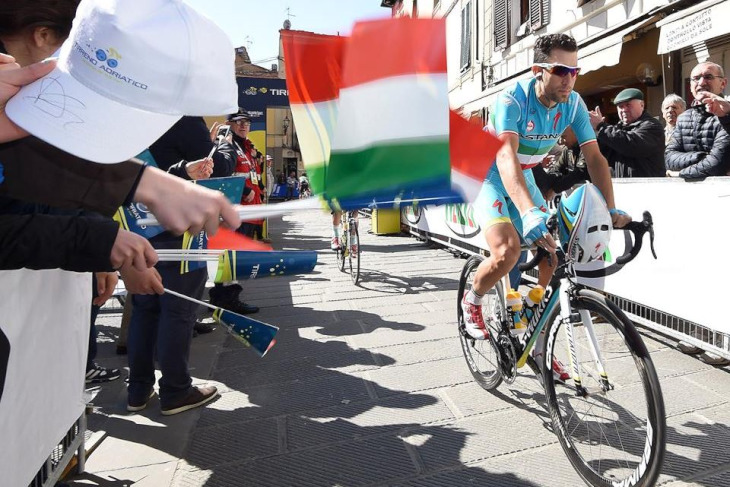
[568, 317]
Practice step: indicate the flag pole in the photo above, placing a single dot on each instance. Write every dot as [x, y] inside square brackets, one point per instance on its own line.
[193, 300]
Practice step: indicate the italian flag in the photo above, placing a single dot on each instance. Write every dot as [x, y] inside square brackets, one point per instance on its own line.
[375, 113]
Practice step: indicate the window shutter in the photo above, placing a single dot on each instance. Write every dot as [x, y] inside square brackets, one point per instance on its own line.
[539, 14]
[466, 36]
[501, 24]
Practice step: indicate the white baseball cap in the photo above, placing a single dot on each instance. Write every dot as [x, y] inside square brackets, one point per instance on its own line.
[127, 72]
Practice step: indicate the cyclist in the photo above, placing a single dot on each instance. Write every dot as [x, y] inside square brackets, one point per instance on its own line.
[304, 186]
[335, 243]
[529, 118]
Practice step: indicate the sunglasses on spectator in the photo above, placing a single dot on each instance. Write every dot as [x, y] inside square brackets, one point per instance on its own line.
[559, 69]
[242, 122]
[706, 77]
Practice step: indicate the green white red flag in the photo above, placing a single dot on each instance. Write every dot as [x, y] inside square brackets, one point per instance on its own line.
[373, 117]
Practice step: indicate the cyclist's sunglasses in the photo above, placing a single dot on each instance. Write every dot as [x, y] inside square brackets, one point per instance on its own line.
[559, 69]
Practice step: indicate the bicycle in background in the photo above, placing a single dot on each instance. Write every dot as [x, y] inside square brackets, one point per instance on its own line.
[348, 252]
[609, 414]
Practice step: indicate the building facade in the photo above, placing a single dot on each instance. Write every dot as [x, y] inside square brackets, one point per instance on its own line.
[651, 45]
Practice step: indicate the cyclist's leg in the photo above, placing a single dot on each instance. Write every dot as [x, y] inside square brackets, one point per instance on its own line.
[336, 219]
[496, 213]
[504, 249]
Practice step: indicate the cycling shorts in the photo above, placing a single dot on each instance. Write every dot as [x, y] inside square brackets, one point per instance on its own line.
[493, 205]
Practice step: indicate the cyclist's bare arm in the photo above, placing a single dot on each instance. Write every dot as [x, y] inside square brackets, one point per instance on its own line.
[600, 176]
[511, 172]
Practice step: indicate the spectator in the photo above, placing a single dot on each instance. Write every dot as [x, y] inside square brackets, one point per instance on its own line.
[246, 166]
[162, 326]
[699, 145]
[672, 107]
[291, 185]
[228, 295]
[565, 170]
[634, 147]
[269, 176]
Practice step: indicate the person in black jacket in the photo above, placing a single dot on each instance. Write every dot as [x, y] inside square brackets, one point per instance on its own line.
[634, 147]
[162, 326]
[699, 146]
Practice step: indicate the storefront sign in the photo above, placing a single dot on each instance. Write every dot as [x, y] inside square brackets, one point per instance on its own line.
[695, 27]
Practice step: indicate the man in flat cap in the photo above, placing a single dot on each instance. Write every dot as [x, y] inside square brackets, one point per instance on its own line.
[634, 147]
[699, 146]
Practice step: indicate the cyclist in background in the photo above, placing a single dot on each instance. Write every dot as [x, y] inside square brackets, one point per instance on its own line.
[529, 118]
[304, 186]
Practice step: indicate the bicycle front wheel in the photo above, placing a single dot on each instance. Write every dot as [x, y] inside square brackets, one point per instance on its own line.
[482, 356]
[342, 251]
[354, 254]
[613, 434]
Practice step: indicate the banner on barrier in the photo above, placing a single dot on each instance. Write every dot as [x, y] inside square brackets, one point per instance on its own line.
[688, 222]
[44, 337]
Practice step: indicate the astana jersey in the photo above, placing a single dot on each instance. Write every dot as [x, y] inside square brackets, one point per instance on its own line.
[517, 110]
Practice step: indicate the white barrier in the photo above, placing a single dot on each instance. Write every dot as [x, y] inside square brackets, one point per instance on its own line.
[691, 224]
[44, 316]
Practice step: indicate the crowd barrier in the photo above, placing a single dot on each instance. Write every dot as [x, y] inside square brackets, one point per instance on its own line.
[44, 329]
[681, 294]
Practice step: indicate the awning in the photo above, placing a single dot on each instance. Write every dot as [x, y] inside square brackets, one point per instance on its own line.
[607, 51]
[695, 24]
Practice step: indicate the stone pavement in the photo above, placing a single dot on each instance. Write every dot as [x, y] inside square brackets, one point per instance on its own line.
[367, 386]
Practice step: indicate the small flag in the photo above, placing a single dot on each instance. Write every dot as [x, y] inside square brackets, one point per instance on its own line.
[239, 265]
[226, 239]
[256, 334]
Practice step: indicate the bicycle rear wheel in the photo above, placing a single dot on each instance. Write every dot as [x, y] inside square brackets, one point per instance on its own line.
[615, 436]
[482, 356]
[354, 257]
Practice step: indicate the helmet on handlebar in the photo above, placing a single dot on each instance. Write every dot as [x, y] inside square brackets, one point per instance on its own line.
[584, 224]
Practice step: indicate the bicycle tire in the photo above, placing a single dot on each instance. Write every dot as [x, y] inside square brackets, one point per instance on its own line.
[354, 261]
[341, 257]
[482, 356]
[595, 431]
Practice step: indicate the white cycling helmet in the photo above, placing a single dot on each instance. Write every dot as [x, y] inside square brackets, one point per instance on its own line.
[584, 224]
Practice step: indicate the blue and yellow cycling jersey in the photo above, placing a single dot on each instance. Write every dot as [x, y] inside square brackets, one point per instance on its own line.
[517, 110]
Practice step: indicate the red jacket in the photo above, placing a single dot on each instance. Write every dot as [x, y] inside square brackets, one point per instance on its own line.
[246, 164]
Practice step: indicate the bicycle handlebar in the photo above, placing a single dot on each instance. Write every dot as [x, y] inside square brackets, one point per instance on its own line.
[638, 228]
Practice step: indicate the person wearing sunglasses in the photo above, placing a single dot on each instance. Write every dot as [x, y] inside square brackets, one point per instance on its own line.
[634, 147]
[529, 118]
[699, 146]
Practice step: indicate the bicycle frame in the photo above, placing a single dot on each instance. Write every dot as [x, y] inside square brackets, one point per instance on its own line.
[559, 291]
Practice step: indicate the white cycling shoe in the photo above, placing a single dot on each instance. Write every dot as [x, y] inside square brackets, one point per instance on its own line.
[473, 320]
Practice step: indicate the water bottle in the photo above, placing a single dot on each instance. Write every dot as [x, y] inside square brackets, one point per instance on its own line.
[533, 298]
[514, 305]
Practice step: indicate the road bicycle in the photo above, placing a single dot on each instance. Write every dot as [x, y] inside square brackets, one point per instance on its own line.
[349, 250]
[609, 416]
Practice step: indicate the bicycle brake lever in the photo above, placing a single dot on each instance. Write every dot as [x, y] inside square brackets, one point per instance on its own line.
[649, 224]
